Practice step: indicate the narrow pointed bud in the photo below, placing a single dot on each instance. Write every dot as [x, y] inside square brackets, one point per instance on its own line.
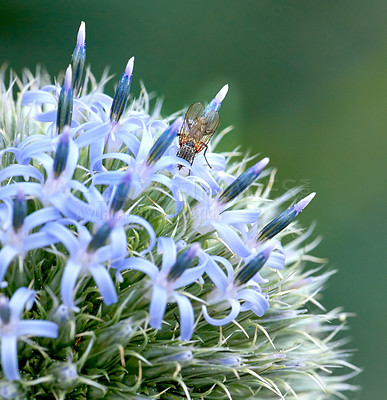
[216, 102]
[253, 266]
[183, 357]
[65, 375]
[101, 236]
[183, 261]
[19, 210]
[163, 142]
[121, 192]
[5, 311]
[284, 219]
[108, 339]
[62, 152]
[11, 390]
[78, 60]
[65, 103]
[243, 181]
[122, 93]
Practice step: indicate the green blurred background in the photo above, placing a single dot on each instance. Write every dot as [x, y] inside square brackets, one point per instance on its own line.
[308, 88]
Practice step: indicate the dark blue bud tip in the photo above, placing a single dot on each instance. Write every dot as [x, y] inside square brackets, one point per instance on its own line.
[19, 210]
[78, 60]
[121, 192]
[183, 262]
[65, 103]
[243, 181]
[280, 222]
[5, 311]
[163, 142]
[121, 94]
[62, 152]
[100, 238]
[253, 266]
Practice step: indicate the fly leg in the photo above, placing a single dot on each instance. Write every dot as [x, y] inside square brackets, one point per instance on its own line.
[204, 154]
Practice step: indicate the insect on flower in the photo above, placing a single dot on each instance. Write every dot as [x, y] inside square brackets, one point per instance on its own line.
[198, 128]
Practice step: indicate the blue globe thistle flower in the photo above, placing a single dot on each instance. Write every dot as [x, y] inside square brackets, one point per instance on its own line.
[226, 305]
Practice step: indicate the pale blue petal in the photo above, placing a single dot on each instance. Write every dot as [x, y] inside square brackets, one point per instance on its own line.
[134, 219]
[22, 298]
[235, 308]
[7, 254]
[170, 184]
[104, 283]
[48, 116]
[157, 306]
[70, 206]
[158, 125]
[167, 247]
[9, 362]
[146, 144]
[202, 171]
[187, 317]
[118, 245]
[72, 160]
[191, 189]
[102, 98]
[20, 170]
[63, 234]
[189, 276]
[77, 186]
[256, 299]
[227, 265]
[93, 135]
[46, 161]
[217, 161]
[167, 161]
[40, 217]
[232, 239]
[138, 264]
[108, 178]
[38, 240]
[33, 150]
[29, 189]
[38, 97]
[129, 139]
[247, 216]
[276, 259]
[34, 139]
[37, 328]
[217, 275]
[116, 156]
[12, 150]
[69, 280]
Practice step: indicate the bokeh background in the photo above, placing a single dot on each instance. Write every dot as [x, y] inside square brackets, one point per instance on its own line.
[308, 88]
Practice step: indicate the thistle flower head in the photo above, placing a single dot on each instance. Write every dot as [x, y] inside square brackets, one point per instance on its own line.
[121, 277]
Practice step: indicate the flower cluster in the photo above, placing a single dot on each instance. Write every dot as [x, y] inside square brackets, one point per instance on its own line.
[149, 277]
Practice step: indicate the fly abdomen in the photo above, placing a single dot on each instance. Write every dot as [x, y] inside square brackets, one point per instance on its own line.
[187, 152]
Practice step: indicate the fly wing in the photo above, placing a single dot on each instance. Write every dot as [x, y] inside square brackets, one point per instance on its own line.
[194, 112]
[211, 123]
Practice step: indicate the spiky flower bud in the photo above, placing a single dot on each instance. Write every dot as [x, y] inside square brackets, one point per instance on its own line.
[65, 103]
[121, 94]
[78, 60]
